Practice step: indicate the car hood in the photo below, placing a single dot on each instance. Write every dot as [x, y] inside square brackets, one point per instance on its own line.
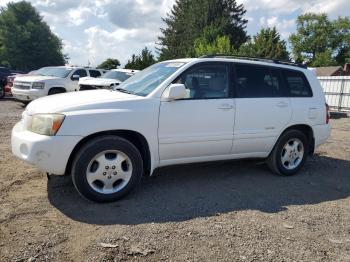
[75, 101]
[98, 81]
[33, 78]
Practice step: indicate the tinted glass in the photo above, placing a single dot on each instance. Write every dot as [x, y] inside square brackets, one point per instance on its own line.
[297, 84]
[258, 81]
[94, 73]
[206, 81]
[80, 72]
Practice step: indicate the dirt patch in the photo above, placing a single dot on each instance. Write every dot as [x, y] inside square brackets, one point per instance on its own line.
[228, 211]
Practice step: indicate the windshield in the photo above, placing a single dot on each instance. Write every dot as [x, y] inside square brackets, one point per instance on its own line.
[121, 76]
[144, 82]
[60, 72]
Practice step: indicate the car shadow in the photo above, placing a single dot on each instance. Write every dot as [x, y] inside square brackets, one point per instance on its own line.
[200, 190]
[339, 115]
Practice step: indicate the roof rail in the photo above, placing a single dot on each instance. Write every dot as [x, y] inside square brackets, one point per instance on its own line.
[259, 59]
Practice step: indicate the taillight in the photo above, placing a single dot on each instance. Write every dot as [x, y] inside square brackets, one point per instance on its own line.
[328, 114]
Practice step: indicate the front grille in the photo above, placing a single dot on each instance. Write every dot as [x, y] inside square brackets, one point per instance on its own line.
[19, 85]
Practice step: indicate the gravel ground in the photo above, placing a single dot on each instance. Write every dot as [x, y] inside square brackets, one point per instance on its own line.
[226, 211]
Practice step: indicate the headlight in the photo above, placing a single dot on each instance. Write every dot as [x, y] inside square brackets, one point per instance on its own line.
[38, 85]
[45, 124]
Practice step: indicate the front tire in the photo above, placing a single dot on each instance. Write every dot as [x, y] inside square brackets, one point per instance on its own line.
[106, 169]
[289, 154]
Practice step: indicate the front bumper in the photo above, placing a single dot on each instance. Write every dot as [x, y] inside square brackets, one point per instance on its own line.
[27, 95]
[48, 153]
[321, 134]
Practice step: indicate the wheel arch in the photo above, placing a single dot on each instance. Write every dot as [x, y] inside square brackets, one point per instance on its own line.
[58, 88]
[134, 137]
[306, 130]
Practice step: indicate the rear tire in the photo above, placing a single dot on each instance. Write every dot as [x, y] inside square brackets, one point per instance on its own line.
[107, 168]
[289, 154]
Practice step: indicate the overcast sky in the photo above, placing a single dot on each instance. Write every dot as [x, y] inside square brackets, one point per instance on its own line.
[93, 30]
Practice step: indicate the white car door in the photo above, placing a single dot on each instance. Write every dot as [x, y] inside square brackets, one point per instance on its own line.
[262, 109]
[202, 124]
[73, 81]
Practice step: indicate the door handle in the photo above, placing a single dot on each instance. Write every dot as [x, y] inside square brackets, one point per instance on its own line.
[225, 106]
[282, 104]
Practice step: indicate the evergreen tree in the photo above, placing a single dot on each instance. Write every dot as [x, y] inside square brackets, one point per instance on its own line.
[142, 61]
[266, 44]
[188, 18]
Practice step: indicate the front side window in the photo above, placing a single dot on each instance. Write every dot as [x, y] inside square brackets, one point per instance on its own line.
[206, 81]
[258, 81]
[297, 84]
[80, 73]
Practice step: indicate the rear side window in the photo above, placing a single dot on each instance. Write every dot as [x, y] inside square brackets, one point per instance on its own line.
[94, 73]
[258, 81]
[297, 84]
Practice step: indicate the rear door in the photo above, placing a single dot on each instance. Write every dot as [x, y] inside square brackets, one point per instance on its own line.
[263, 109]
[307, 107]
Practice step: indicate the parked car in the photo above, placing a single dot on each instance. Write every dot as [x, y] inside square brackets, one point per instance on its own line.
[176, 112]
[109, 80]
[11, 79]
[4, 73]
[50, 81]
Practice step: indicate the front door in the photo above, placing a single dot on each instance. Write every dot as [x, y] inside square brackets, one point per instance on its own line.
[73, 83]
[202, 124]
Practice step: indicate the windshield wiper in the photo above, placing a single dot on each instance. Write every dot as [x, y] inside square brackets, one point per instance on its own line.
[125, 91]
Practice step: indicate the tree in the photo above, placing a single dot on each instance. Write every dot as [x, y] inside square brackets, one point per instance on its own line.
[212, 42]
[266, 44]
[342, 40]
[321, 42]
[188, 19]
[141, 61]
[26, 41]
[109, 64]
[324, 59]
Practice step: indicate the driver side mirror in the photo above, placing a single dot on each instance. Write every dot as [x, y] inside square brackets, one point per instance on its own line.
[75, 77]
[175, 92]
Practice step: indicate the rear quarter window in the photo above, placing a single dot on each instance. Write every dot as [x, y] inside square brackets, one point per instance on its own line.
[297, 84]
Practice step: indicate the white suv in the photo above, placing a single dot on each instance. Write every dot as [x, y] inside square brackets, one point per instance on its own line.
[50, 81]
[176, 112]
